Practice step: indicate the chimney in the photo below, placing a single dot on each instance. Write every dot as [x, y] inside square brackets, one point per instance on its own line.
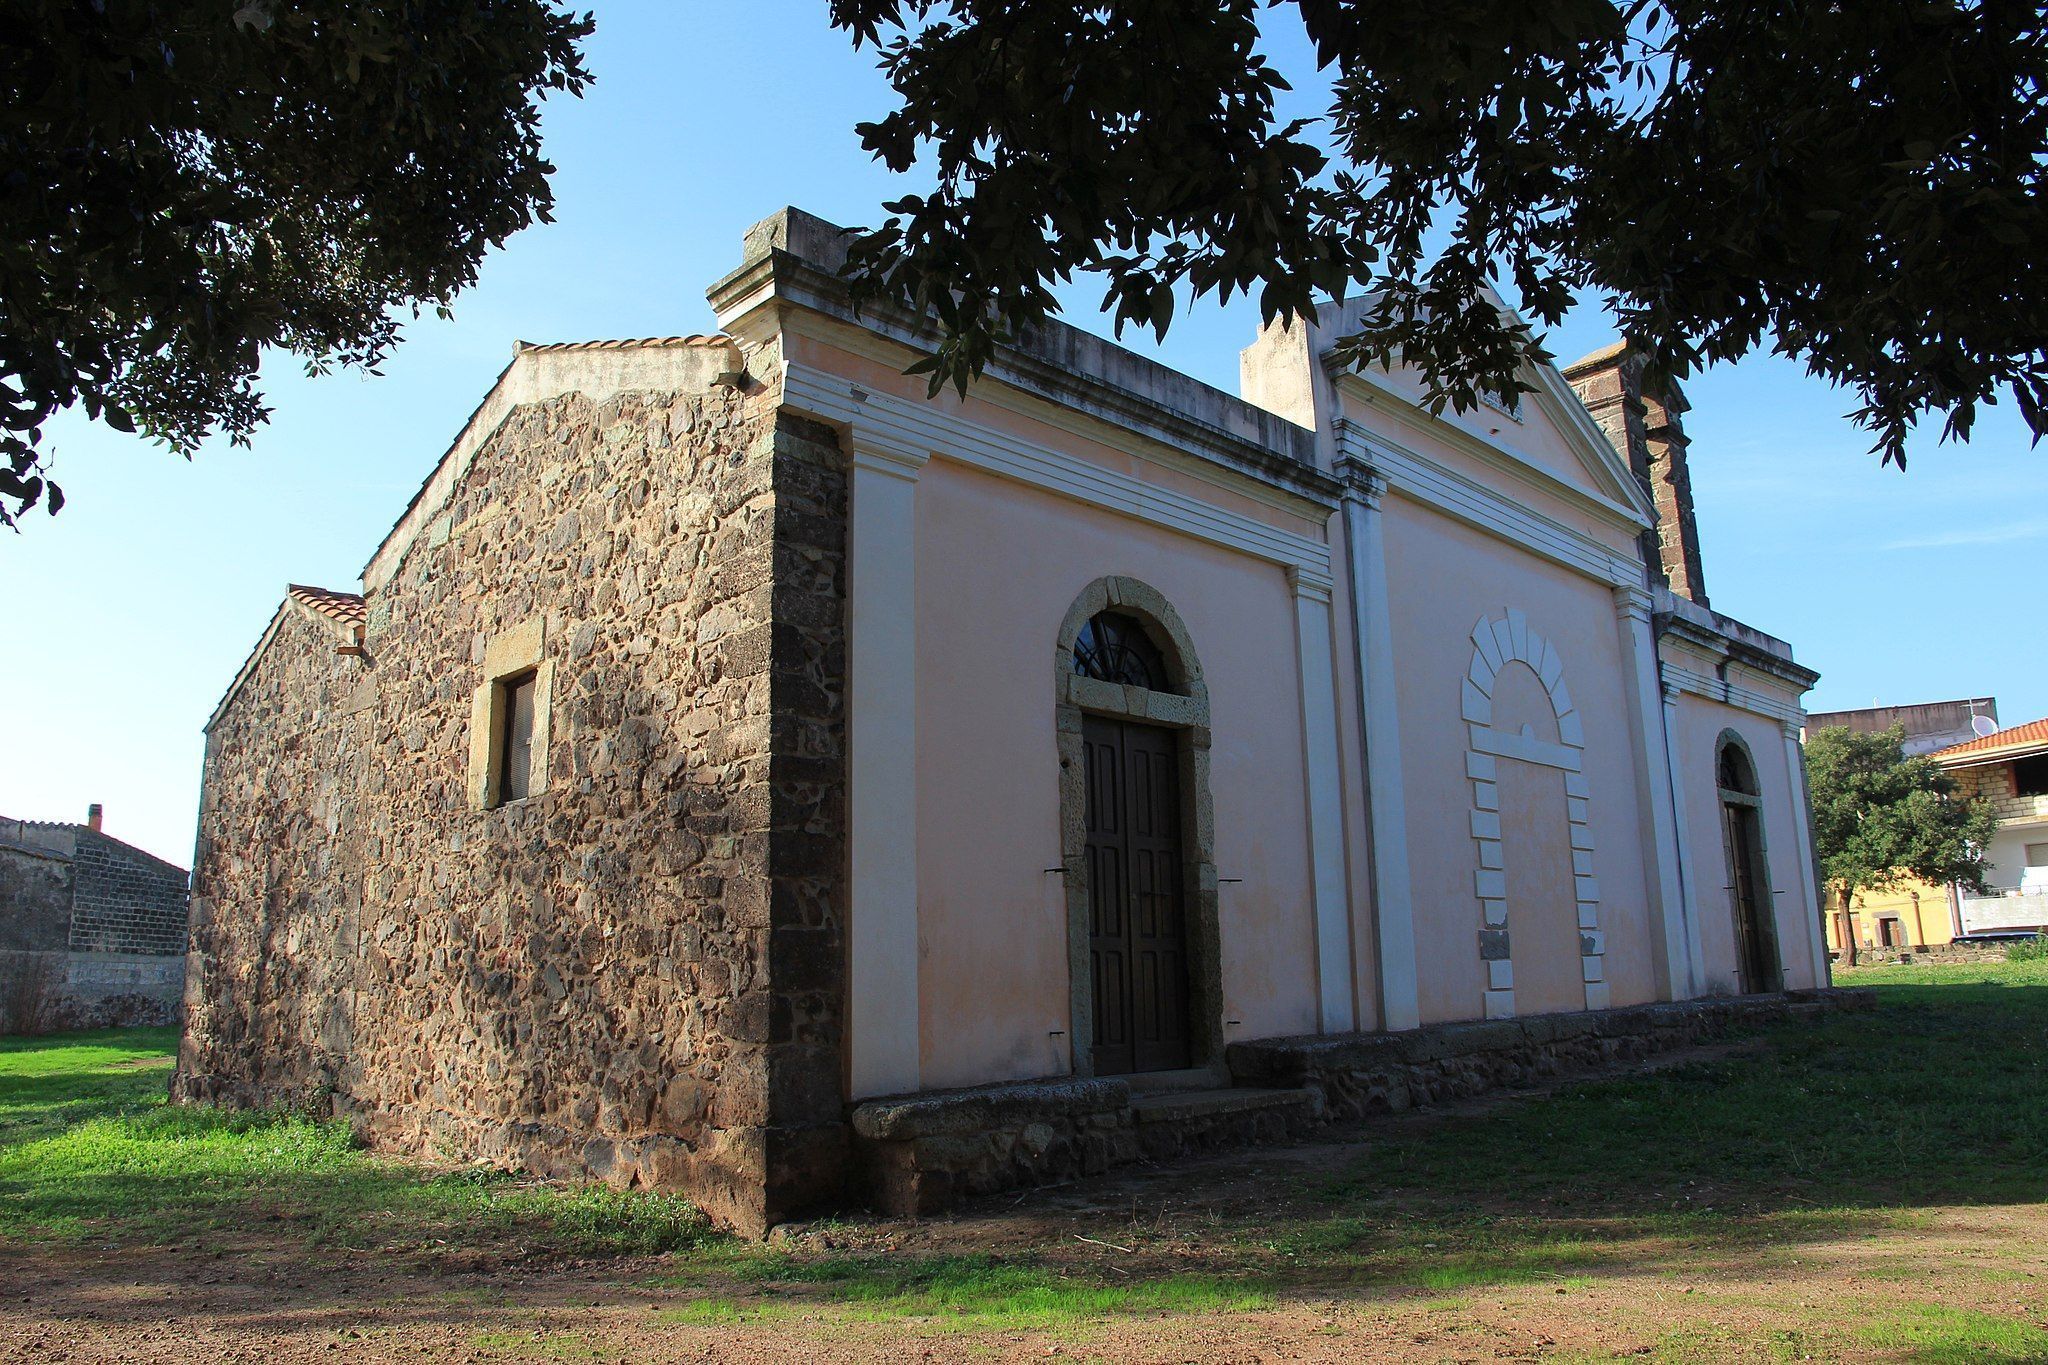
[1642, 423]
[92, 817]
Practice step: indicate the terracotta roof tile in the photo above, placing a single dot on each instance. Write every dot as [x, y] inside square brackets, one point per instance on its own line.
[346, 608]
[2034, 732]
[625, 343]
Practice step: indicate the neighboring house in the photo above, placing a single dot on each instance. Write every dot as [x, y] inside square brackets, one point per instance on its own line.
[735, 752]
[1899, 919]
[1913, 914]
[2010, 770]
[92, 930]
[1928, 725]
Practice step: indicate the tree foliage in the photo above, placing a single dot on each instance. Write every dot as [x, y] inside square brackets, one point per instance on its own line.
[184, 183]
[1880, 817]
[1858, 185]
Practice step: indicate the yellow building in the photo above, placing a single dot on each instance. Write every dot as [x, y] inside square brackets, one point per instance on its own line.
[1913, 914]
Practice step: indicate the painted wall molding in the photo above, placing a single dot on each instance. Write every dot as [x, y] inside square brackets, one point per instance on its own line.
[1621, 502]
[1324, 800]
[1809, 873]
[1673, 955]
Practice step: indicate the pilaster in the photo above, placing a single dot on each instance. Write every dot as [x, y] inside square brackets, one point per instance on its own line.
[1380, 724]
[1334, 971]
[1809, 876]
[882, 764]
[1688, 898]
[1671, 954]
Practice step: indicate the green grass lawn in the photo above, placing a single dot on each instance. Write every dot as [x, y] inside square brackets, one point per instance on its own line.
[89, 1149]
[1859, 1127]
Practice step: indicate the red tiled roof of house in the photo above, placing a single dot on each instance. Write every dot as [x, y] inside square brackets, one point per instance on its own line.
[344, 608]
[2033, 733]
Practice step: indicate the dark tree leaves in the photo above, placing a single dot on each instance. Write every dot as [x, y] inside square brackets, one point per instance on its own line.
[185, 184]
[1855, 185]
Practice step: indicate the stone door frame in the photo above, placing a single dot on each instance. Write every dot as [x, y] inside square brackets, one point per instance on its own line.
[1736, 804]
[1185, 712]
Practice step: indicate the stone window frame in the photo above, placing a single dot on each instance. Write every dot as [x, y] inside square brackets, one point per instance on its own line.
[1767, 903]
[509, 657]
[1495, 645]
[1185, 712]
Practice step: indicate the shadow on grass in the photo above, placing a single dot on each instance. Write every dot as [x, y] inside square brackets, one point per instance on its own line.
[1747, 1164]
[1828, 1132]
[1751, 1164]
[48, 1084]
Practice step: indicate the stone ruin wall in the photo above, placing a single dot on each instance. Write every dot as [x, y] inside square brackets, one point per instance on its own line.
[635, 975]
[125, 901]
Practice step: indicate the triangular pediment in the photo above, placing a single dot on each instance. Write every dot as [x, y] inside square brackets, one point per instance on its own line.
[1548, 439]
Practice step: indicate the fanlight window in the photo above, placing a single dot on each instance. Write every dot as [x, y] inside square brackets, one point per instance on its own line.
[1735, 772]
[1115, 648]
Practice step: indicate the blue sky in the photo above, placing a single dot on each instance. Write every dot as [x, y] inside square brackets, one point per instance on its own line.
[133, 609]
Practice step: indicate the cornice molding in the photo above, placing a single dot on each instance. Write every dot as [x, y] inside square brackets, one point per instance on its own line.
[809, 301]
[908, 426]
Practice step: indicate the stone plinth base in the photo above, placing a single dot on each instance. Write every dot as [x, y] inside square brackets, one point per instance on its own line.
[921, 1153]
[1363, 1073]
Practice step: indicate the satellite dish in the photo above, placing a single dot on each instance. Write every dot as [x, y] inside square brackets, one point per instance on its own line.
[1983, 725]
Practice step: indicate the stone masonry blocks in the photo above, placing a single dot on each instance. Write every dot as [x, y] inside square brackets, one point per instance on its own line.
[634, 976]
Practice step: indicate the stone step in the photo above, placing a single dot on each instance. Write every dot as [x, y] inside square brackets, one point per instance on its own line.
[1198, 1106]
[1189, 1078]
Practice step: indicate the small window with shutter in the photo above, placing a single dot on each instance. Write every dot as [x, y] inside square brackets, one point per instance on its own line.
[508, 718]
[515, 747]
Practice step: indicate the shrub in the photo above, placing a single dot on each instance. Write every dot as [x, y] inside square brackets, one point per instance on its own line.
[2033, 949]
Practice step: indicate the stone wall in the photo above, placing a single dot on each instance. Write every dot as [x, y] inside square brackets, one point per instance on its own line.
[124, 901]
[92, 932]
[35, 899]
[1643, 423]
[634, 975]
[1362, 1074]
[1996, 783]
[921, 1153]
[924, 1153]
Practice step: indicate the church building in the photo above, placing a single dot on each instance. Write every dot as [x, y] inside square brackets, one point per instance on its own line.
[742, 773]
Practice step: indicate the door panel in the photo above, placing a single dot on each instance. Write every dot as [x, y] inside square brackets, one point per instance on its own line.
[1137, 933]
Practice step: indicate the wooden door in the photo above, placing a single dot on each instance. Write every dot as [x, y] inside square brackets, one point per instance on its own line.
[1137, 931]
[1756, 946]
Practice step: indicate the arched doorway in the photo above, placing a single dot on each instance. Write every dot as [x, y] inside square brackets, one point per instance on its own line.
[1136, 831]
[1749, 871]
